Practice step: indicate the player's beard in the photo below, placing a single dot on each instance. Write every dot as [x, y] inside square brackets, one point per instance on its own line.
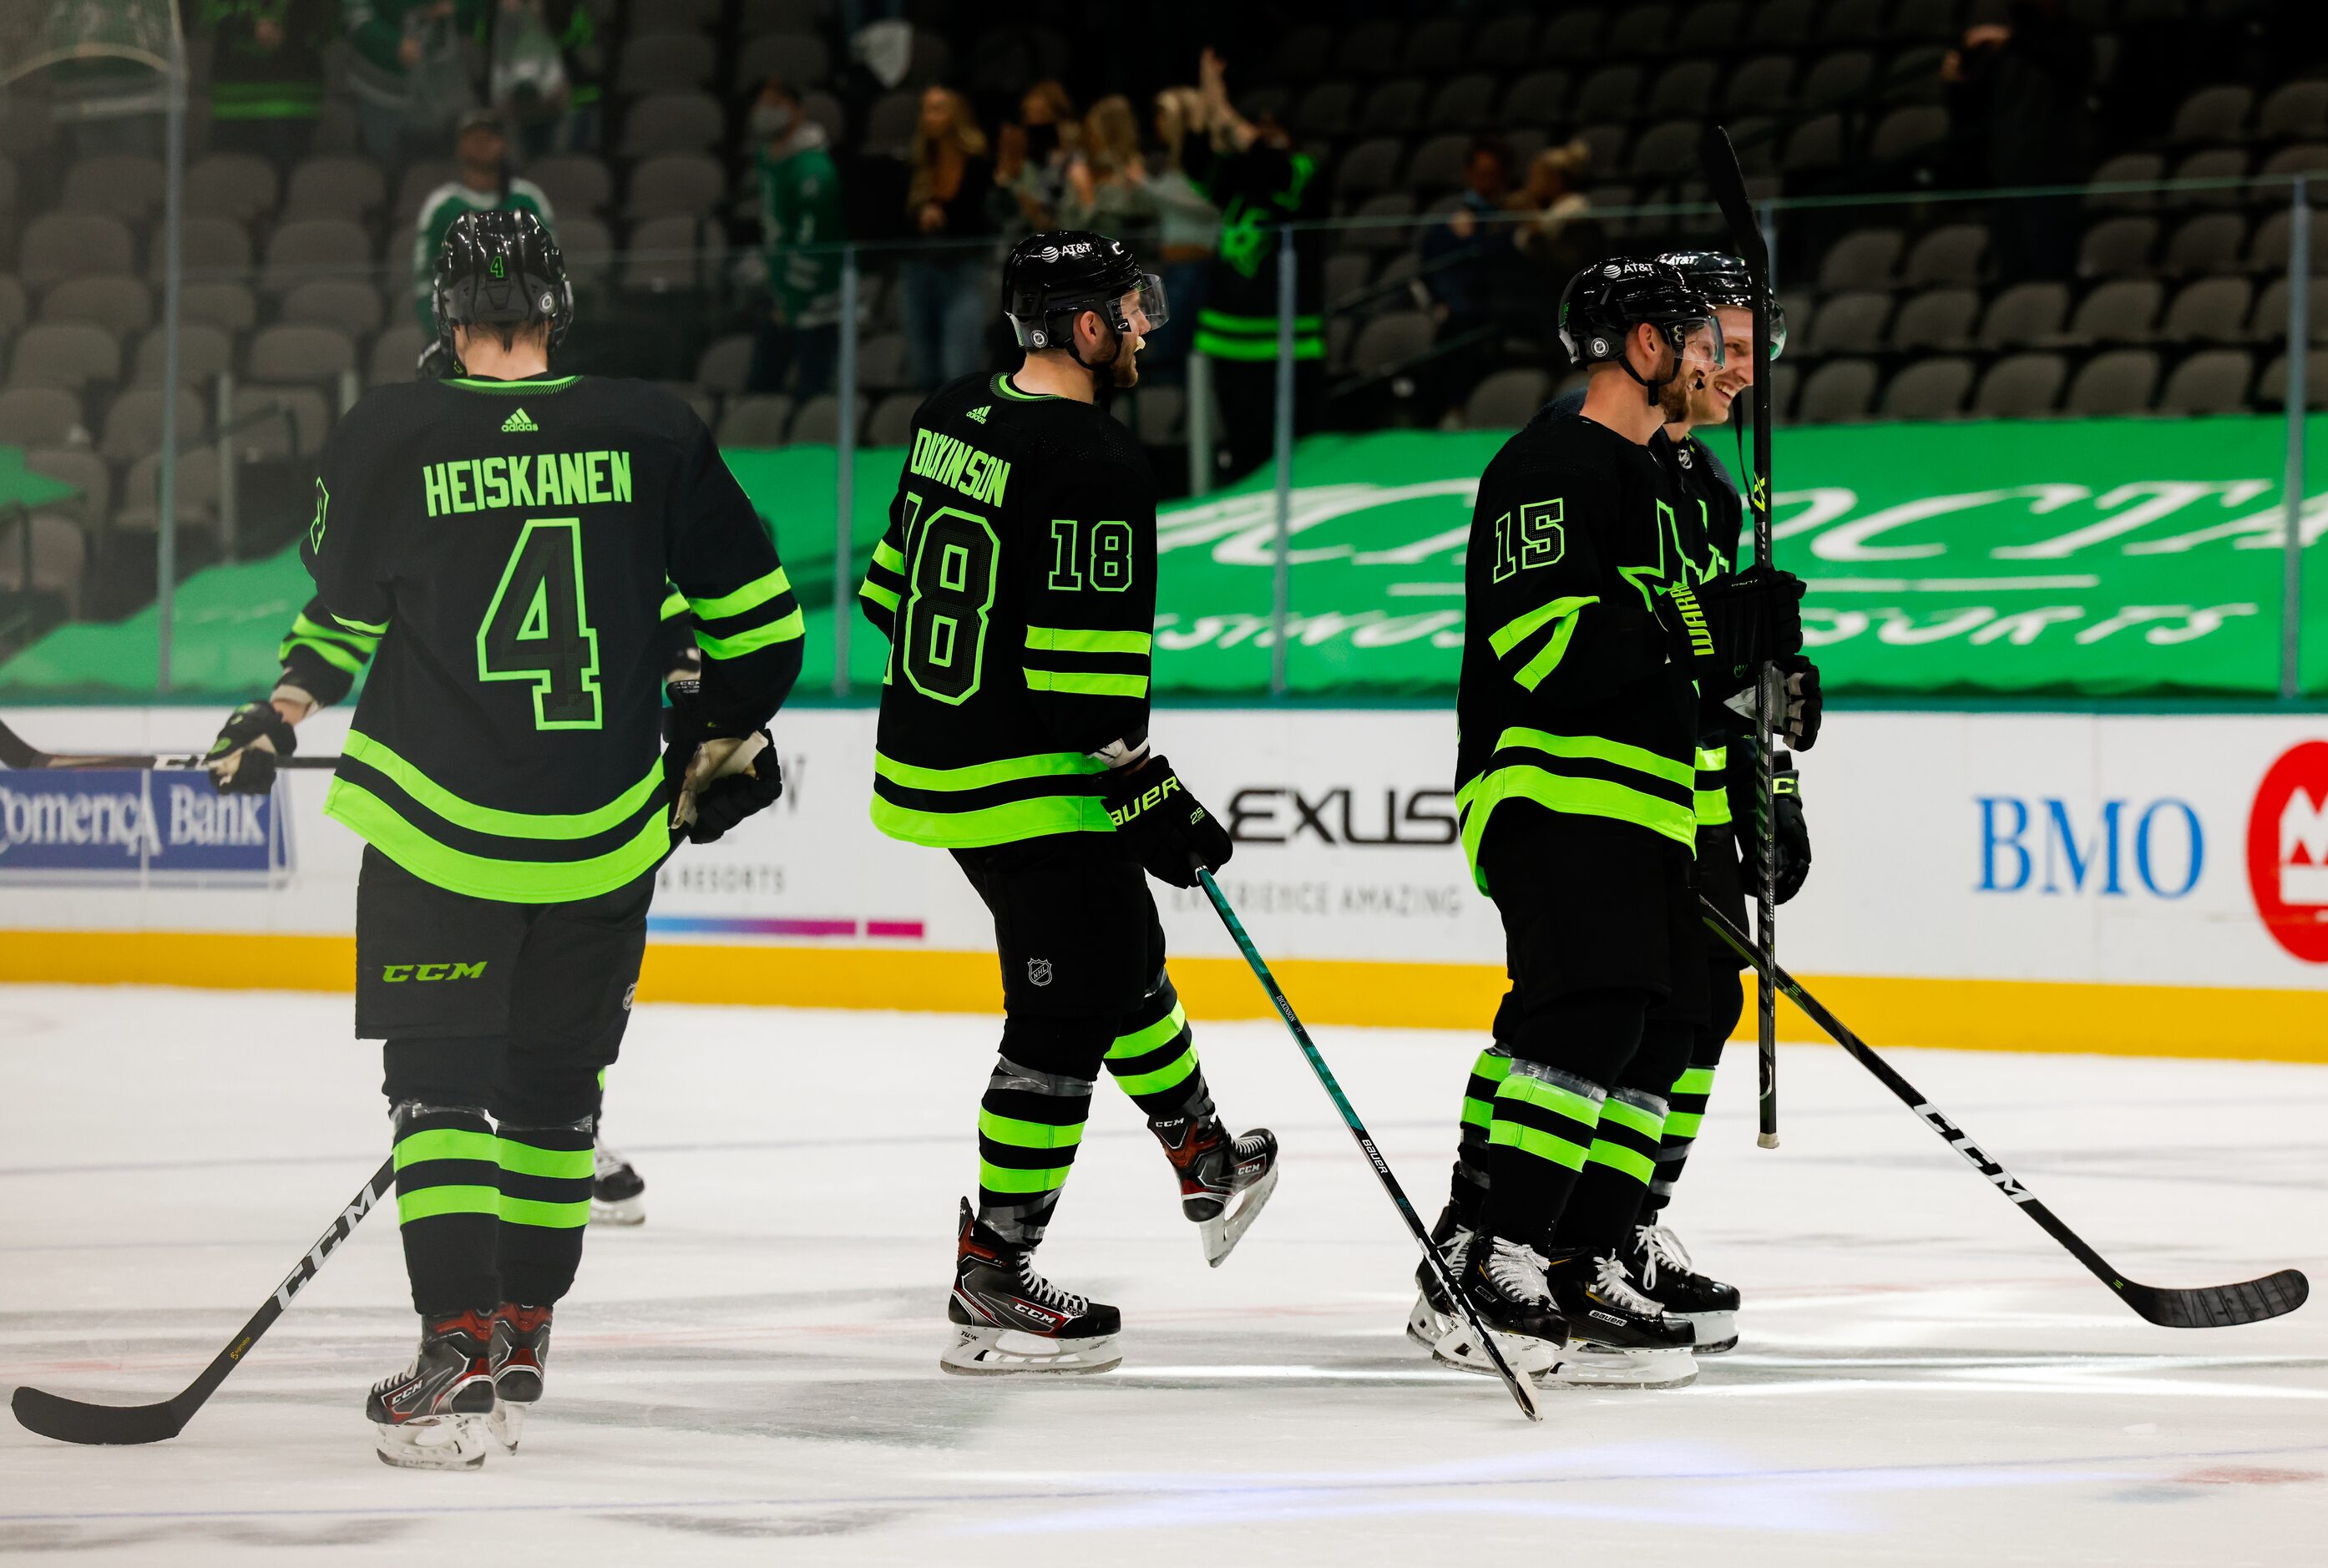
[1123, 370]
[1673, 397]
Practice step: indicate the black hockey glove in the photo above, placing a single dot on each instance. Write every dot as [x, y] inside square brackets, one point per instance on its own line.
[1790, 836]
[716, 781]
[1800, 727]
[242, 758]
[1165, 828]
[1725, 630]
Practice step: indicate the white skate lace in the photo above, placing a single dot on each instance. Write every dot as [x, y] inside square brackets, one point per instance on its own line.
[1517, 1271]
[1660, 1248]
[1038, 1289]
[1616, 1285]
[605, 1160]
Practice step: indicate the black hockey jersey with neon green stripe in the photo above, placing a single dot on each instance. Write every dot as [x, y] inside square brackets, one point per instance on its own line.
[1017, 585]
[1568, 700]
[1711, 516]
[508, 544]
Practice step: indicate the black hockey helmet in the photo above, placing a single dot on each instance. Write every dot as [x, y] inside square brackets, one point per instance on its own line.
[1067, 271]
[1724, 281]
[1604, 303]
[501, 268]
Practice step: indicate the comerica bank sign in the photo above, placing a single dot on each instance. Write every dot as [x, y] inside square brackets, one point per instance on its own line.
[123, 826]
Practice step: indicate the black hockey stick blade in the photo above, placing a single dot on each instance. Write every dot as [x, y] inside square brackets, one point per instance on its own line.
[2274, 1295]
[1719, 160]
[52, 1415]
[17, 752]
[1522, 1394]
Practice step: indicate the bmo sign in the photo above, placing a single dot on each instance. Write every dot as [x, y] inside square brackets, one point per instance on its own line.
[2287, 851]
[2049, 845]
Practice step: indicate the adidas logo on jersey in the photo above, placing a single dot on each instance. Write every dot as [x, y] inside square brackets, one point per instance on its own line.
[519, 422]
[979, 414]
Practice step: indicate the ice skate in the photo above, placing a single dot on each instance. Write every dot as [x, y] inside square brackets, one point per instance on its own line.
[617, 1191]
[1008, 1320]
[1620, 1339]
[1707, 1305]
[436, 1414]
[520, 1359]
[1434, 1313]
[1225, 1182]
[1505, 1282]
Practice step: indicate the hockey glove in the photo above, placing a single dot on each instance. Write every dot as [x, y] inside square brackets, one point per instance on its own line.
[1166, 830]
[1725, 630]
[727, 781]
[242, 758]
[1799, 726]
[1790, 836]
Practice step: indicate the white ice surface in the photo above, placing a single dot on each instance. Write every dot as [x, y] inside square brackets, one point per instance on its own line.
[1924, 1377]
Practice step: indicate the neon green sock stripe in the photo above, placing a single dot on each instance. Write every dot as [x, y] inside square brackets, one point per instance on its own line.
[1478, 1112]
[1541, 1144]
[1069, 640]
[1171, 1072]
[783, 629]
[444, 1143]
[430, 1202]
[1141, 1041]
[526, 1160]
[1625, 1113]
[1619, 1158]
[758, 591]
[1533, 1090]
[1000, 1178]
[1021, 1134]
[1493, 1064]
[1694, 1081]
[548, 1216]
[1681, 1124]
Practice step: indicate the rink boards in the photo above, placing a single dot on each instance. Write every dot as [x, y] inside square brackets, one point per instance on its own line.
[2058, 881]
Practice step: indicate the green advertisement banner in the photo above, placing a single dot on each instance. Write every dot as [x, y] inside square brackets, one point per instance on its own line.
[2089, 558]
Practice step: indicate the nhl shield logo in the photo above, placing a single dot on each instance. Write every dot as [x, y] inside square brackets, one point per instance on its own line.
[1038, 971]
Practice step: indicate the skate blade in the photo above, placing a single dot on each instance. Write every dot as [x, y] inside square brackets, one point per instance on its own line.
[1426, 1325]
[1221, 1234]
[507, 1424]
[1458, 1348]
[1587, 1366]
[1716, 1331]
[435, 1443]
[621, 1211]
[1007, 1353]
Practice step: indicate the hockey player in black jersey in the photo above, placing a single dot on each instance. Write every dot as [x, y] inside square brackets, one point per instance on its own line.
[1591, 629]
[506, 535]
[1017, 585]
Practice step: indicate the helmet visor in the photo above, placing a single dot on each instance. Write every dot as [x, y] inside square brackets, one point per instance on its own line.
[1145, 309]
[1697, 338]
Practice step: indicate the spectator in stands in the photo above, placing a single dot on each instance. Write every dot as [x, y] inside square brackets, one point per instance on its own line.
[1558, 236]
[1455, 253]
[1188, 233]
[946, 295]
[800, 235]
[1032, 161]
[527, 83]
[485, 184]
[266, 73]
[2018, 97]
[1107, 179]
[408, 75]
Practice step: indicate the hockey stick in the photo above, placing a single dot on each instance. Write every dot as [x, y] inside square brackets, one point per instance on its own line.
[76, 1421]
[1447, 1283]
[1722, 173]
[2209, 1307]
[17, 752]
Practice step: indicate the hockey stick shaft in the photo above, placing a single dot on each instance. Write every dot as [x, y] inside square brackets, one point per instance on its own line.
[2207, 1307]
[1447, 1281]
[15, 752]
[76, 1421]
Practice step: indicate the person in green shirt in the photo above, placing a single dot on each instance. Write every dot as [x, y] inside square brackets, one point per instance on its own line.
[266, 72]
[800, 231]
[485, 185]
[406, 70]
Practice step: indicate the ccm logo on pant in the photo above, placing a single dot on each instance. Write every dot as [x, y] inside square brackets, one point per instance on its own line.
[402, 972]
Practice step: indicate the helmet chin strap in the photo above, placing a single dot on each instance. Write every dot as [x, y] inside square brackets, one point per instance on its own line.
[1103, 386]
[1651, 389]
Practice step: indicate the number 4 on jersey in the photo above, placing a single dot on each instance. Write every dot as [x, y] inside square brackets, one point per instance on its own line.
[538, 628]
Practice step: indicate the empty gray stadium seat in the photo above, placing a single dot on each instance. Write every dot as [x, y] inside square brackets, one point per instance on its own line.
[13, 311]
[1930, 389]
[2210, 242]
[2122, 311]
[2121, 381]
[92, 481]
[132, 425]
[203, 350]
[666, 62]
[2117, 246]
[1327, 109]
[1572, 38]
[1391, 339]
[1838, 78]
[1853, 21]
[2297, 111]
[1306, 53]
[58, 550]
[1950, 254]
[1368, 169]
[298, 353]
[1934, 19]
[2211, 310]
[2212, 381]
[1908, 132]
[61, 245]
[1506, 400]
[70, 355]
[2268, 322]
[275, 420]
[1683, 88]
[1850, 323]
[234, 185]
[1863, 258]
[2212, 114]
[2020, 387]
[2126, 169]
[1437, 164]
[1612, 93]
[2310, 158]
[1815, 144]
[576, 185]
[588, 248]
[2267, 251]
[1763, 85]
[38, 417]
[1838, 392]
[818, 420]
[395, 353]
[1666, 151]
[800, 59]
[230, 306]
[1781, 23]
[672, 122]
[881, 362]
[1382, 234]
[1939, 318]
[206, 245]
[301, 248]
[724, 364]
[1502, 40]
[197, 487]
[1710, 28]
[335, 187]
[1394, 106]
[675, 185]
[2216, 163]
[1368, 50]
[2271, 387]
[759, 421]
[891, 423]
[666, 253]
[1640, 30]
[122, 185]
[121, 305]
[1463, 103]
[783, 15]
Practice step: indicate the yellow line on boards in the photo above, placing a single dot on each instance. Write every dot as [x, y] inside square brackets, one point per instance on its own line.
[1957, 1014]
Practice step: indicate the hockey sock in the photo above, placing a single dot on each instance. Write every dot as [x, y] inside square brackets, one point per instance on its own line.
[545, 1206]
[1468, 1190]
[1030, 1121]
[1618, 1168]
[1154, 1059]
[1685, 1101]
[1541, 1129]
[447, 1207]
